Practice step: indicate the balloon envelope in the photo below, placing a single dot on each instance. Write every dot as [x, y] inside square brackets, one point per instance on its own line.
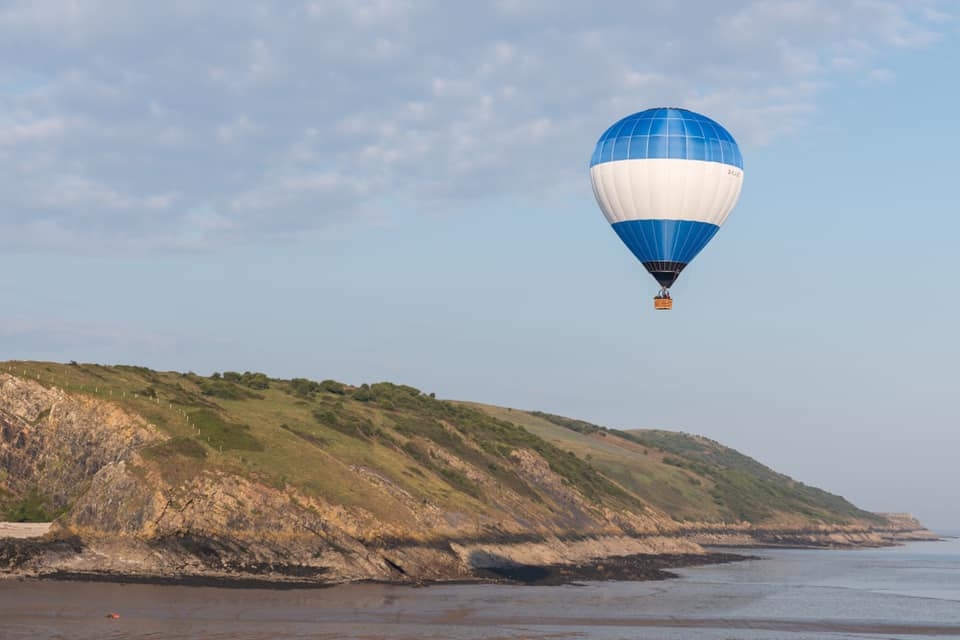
[666, 179]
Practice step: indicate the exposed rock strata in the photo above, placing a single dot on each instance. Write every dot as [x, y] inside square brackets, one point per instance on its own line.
[127, 519]
[56, 442]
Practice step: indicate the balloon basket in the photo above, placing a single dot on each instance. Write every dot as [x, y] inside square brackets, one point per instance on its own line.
[662, 304]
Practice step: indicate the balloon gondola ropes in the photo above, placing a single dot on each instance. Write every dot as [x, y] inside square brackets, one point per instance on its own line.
[666, 179]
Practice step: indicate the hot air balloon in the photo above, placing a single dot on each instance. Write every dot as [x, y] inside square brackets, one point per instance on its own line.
[666, 179]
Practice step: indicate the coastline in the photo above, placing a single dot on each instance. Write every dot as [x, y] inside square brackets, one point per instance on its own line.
[786, 593]
[633, 568]
[149, 507]
[35, 552]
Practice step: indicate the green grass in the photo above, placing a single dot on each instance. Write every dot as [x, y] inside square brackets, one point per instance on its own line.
[748, 489]
[227, 390]
[179, 446]
[312, 435]
[32, 507]
[221, 434]
[690, 477]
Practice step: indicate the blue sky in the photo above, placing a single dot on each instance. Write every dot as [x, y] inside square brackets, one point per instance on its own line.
[399, 191]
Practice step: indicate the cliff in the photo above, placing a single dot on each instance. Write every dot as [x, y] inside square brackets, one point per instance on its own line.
[236, 476]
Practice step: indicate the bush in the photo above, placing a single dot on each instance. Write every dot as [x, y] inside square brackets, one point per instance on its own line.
[303, 387]
[363, 393]
[248, 379]
[226, 390]
[332, 386]
[255, 380]
[31, 508]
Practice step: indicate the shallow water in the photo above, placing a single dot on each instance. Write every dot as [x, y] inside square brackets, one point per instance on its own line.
[905, 592]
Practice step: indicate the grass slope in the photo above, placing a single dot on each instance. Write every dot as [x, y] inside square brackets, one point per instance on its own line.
[309, 434]
[691, 477]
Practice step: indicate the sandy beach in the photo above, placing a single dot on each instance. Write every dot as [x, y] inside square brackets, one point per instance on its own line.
[908, 591]
[23, 529]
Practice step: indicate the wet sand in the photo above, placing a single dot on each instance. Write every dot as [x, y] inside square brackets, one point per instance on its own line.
[40, 610]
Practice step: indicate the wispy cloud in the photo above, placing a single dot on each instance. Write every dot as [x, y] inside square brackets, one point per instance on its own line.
[184, 125]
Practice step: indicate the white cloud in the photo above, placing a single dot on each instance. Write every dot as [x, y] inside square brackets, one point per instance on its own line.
[52, 16]
[70, 190]
[880, 75]
[275, 117]
[31, 130]
[235, 129]
[365, 14]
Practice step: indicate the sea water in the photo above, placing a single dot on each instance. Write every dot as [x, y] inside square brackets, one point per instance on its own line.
[903, 592]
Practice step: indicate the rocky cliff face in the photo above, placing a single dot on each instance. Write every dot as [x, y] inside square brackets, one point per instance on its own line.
[56, 443]
[83, 452]
[221, 524]
[128, 517]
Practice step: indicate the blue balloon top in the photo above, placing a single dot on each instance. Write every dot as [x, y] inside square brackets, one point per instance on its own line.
[667, 132]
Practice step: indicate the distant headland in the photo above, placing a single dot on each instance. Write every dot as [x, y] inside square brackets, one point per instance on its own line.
[241, 479]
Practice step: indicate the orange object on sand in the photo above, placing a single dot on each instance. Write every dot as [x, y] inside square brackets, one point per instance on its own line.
[113, 616]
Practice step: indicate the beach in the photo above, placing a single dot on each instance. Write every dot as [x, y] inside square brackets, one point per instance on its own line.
[902, 592]
[22, 530]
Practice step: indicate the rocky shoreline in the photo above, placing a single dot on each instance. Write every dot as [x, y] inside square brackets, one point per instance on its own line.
[231, 563]
[638, 567]
[909, 530]
[138, 503]
[635, 568]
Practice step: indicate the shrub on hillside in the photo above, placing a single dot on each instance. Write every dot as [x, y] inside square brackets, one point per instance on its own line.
[253, 380]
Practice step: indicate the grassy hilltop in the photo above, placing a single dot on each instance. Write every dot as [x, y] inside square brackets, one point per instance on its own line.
[313, 436]
[690, 477]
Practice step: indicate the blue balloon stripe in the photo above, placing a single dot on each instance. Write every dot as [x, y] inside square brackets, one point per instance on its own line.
[667, 132]
[665, 240]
